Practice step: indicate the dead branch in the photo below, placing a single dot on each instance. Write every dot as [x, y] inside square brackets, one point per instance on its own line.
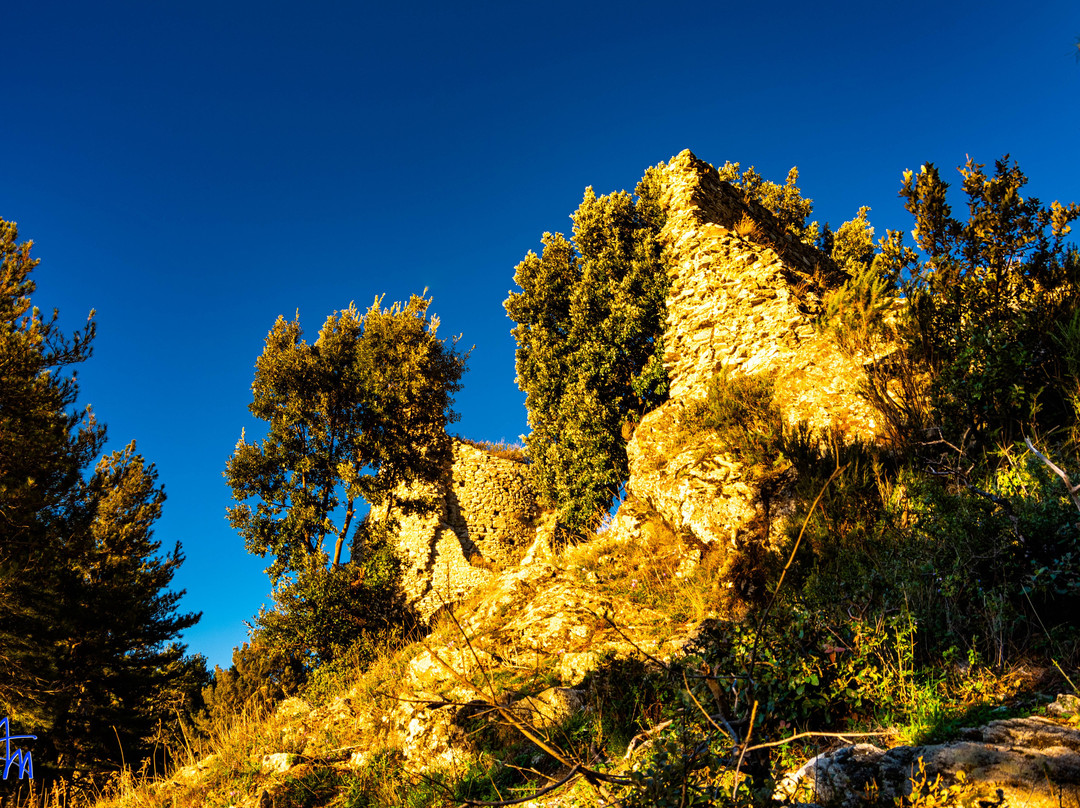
[1074, 490]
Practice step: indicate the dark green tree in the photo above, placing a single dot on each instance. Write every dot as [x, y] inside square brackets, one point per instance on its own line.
[351, 417]
[44, 445]
[261, 675]
[118, 656]
[322, 614]
[590, 323]
[590, 349]
[87, 625]
[989, 300]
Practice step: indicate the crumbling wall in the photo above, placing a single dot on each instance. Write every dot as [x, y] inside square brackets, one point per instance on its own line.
[746, 303]
[478, 518]
[490, 503]
[742, 300]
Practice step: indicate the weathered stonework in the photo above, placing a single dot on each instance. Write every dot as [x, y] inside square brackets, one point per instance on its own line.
[742, 300]
[480, 517]
[746, 303]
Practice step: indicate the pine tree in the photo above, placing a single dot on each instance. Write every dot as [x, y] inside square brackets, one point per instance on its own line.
[44, 445]
[87, 626]
[118, 653]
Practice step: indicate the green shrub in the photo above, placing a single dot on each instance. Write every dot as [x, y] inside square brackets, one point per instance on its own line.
[352, 609]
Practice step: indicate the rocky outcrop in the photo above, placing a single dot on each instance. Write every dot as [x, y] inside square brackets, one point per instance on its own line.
[742, 300]
[1019, 761]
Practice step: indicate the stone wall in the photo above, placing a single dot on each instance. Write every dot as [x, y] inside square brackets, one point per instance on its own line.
[742, 300]
[746, 303]
[480, 517]
[490, 503]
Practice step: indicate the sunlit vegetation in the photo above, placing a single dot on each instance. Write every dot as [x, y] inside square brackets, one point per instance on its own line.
[922, 583]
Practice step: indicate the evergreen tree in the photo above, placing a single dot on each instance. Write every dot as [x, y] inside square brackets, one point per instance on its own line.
[590, 323]
[987, 308]
[261, 674]
[44, 445]
[87, 627]
[350, 417]
[118, 654]
[590, 348]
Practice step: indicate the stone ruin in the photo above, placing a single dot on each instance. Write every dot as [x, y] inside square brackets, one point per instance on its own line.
[742, 300]
[480, 517]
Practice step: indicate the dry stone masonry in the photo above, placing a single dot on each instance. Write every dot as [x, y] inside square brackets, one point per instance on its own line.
[744, 293]
[746, 303]
[742, 300]
[480, 517]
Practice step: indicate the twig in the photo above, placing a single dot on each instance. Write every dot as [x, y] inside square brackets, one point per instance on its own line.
[575, 771]
[742, 754]
[646, 735]
[638, 648]
[795, 737]
[594, 778]
[780, 583]
[1074, 490]
[730, 732]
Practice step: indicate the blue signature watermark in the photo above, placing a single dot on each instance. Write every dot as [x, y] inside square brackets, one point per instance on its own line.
[15, 757]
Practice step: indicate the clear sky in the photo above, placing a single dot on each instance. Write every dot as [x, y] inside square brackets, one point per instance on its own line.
[192, 170]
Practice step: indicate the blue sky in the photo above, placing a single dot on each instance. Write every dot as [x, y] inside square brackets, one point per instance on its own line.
[192, 170]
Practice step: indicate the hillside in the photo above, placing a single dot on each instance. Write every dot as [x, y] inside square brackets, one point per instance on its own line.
[779, 571]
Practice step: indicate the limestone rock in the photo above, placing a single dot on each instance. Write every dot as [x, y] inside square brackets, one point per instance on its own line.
[1023, 761]
[739, 305]
[1066, 705]
[277, 762]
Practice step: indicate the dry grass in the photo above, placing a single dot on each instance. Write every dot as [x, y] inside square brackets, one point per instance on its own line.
[506, 451]
[748, 229]
[655, 569]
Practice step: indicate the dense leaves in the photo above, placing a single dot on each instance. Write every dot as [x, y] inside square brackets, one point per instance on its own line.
[589, 358]
[981, 312]
[350, 417]
[260, 675]
[590, 322]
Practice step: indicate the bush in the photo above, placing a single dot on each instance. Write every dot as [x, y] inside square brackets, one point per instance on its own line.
[260, 676]
[353, 609]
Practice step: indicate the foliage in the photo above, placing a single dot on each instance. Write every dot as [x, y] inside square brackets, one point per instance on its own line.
[324, 613]
[260, 676]
[974, 329]
[589, 357]
[590, 320]
[352, 416]
[999, 558]
[980, 314]
[88, 627]
[739, 410]
[372, 393]
[44, 446]
[122, 655]
[785, 201]
[501, 449]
